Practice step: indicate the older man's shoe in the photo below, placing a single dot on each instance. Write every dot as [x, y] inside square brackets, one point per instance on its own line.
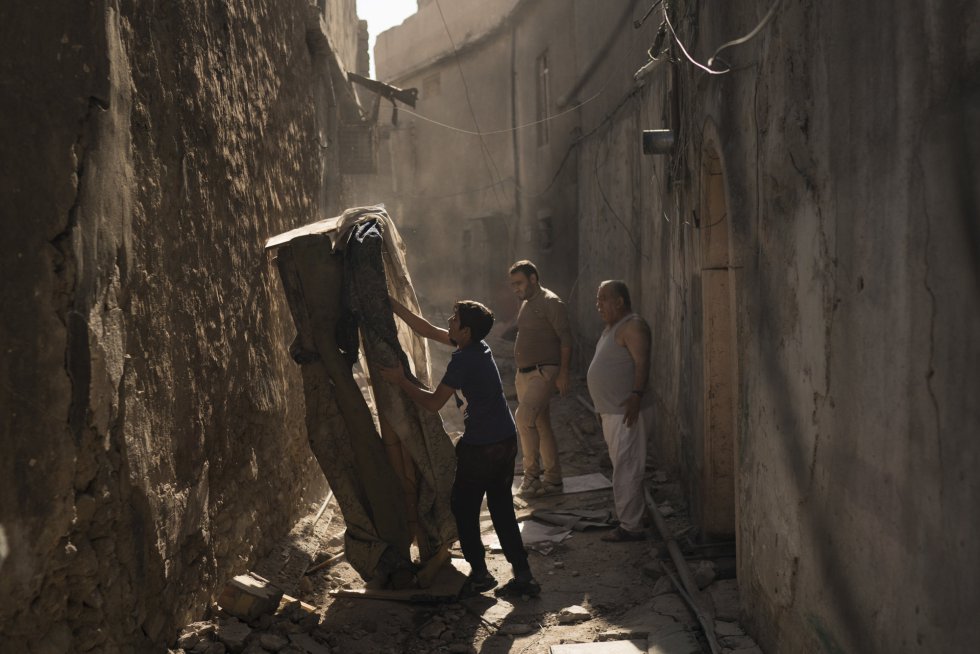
[620, 535]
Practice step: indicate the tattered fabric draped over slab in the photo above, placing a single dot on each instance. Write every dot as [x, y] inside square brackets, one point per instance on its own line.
[392, 477]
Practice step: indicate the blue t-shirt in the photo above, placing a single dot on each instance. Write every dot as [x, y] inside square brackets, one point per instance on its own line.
[486, 416]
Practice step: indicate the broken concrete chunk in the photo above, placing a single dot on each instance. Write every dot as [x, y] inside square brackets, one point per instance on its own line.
[653, 570]
[497, 613]
[728, 629]
[232, 633]
[202, 647]
[216, 648]
[272, 642]
[307, 645]
[249, 596]
[193, 634]
[663, 586]
[621, 634]
[740, 644]
[432, 630]
[673, 606]
[574, 614]
[703, 573]
[516, 629]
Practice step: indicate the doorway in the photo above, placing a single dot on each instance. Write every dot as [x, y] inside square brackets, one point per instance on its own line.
[717, 474]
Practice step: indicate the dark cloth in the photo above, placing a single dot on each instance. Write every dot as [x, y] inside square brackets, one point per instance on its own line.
[487, 470]
[486, 417]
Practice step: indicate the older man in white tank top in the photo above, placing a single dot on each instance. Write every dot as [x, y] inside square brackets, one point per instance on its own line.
[617, 380]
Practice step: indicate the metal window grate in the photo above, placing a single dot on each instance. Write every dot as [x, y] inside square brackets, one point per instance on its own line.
[358, 149]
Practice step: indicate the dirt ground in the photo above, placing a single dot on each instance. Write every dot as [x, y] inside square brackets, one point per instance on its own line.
[619, 585]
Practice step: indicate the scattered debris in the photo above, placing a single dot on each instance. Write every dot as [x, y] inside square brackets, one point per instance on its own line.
[516, 629]
[653, 570]
[728, 628]
[579, 520]
[194, 633]
[703, 573]
[232, 633]
[574, 614]
[662, 587]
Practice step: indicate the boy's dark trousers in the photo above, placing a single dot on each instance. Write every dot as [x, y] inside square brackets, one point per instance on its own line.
[487, 470]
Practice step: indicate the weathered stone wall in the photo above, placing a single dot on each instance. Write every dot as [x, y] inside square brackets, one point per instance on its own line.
[153, 432]
[848, 142]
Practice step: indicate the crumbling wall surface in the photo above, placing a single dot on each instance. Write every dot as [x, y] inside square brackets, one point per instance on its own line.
[632, 227]
[858, 318]
[153, 432]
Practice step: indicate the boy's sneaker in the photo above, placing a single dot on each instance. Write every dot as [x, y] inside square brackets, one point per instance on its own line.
[517, 588]
[529, 487]
[477, 583]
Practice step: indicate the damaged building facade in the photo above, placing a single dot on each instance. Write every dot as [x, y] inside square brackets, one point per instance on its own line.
[154, 437]
[804, 245]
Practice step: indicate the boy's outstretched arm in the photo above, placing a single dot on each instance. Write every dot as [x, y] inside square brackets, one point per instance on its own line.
[428, 400]
[420, 325]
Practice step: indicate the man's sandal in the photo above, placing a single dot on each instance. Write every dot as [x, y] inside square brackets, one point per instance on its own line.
[620, 535]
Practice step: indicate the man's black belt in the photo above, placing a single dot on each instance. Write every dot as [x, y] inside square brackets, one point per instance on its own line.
[536, 367]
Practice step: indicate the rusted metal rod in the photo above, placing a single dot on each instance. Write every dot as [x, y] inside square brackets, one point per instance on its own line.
[324, 564]
[322, 509]
[686, 586]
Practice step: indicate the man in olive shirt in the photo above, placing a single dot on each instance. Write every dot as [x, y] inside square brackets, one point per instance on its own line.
[541, 353]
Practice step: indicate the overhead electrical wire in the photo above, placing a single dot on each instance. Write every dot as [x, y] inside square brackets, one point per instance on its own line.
[739, 41]
[508, 129]
[751, 35]
[680, 45]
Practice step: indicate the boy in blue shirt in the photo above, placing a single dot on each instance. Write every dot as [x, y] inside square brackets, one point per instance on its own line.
[486, 452]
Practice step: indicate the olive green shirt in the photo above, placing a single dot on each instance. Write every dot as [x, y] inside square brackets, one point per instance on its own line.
[542, 330]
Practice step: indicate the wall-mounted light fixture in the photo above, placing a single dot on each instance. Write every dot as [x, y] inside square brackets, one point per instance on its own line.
[658, 141]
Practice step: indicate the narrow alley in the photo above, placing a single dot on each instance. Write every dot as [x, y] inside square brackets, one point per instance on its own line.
[287, 284]
[592, 591]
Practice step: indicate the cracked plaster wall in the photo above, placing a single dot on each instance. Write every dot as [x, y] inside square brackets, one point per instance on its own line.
[153, 436]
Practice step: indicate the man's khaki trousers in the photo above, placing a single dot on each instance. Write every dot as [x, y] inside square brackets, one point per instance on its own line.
[533, 417]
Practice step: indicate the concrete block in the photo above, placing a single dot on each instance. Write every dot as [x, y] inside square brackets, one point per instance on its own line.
[249, 596]
[574, 614]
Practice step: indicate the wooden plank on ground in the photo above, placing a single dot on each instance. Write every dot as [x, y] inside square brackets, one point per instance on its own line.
[446, 585]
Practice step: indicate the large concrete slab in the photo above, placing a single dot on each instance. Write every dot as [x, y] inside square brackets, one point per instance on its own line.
[611, 647]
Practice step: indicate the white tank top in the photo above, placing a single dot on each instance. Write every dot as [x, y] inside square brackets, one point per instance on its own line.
[610, 375]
